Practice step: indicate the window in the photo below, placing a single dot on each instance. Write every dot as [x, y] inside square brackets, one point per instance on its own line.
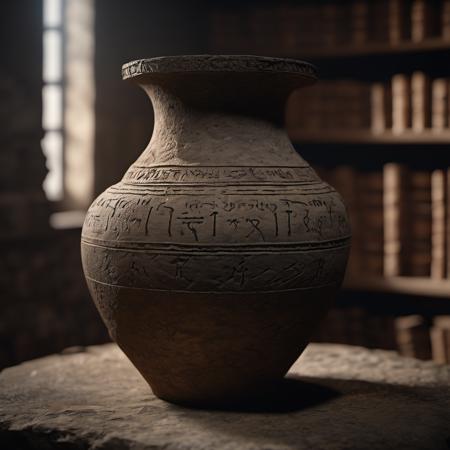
[68, 101]
[52, 98]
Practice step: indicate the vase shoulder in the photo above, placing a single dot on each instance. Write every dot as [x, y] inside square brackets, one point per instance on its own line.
[211, 219]
[215, 205]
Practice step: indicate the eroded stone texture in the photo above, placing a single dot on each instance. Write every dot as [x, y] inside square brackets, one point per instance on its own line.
[348, 398]
[221, 249]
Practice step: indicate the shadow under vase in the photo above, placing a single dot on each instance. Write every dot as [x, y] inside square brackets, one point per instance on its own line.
[336, 414]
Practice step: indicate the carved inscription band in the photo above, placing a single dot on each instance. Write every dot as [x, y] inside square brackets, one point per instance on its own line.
[163, 226]
[219, 273]
[227, 174]
[141, 217]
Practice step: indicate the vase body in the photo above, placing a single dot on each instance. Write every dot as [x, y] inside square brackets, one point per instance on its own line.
[219, 252]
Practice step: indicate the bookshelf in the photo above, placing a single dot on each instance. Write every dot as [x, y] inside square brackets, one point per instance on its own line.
[417, 286]
[430, 45]
[399, 43]
[428, 137]
[383, 101]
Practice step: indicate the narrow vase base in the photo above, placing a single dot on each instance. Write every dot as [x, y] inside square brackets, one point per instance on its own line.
[248, 399]
[212, 350]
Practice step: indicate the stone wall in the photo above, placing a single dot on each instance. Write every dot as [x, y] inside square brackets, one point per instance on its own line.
[45, 305]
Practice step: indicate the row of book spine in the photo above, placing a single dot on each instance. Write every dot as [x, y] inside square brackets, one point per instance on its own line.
[418, 338]
[411, 335]
[287, 27]
[357, 326]
[330, 105]
[416, 218]
[400, 220]
[414, 102]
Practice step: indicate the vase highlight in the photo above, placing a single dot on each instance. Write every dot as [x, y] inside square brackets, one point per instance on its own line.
[219, 252]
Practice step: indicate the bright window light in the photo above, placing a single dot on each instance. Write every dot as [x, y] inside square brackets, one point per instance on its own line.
[52, 98]
[52, 112]
[53, 151]
[52, 62]
[68, 97]
[52, 13]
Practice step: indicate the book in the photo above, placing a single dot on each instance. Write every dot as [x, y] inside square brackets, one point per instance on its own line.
[343, 104]
[420, 101]
[440, 104]
[407, 221]
[380, 105]
[440, 339]
[401, 107]
[424, 19]
[399, 25]
[447, 225]
[329, 11]
[379, 21]
[359, 22]
[418, 218]
[439, 227]
[445, 20]
[395, 207]
[439, 344]
[413, 337]
[370, 217]
[418, 20]
[399, 218]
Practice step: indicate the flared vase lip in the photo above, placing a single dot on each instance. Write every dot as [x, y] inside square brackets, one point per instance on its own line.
[219, 64]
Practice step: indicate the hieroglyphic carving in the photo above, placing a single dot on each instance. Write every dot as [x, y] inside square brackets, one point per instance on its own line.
[252, 270]
[180, 262]
[237, 230]
[226, 174]
[255, 224]
[142, 213]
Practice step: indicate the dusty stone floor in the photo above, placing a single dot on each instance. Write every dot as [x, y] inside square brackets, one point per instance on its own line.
[336, 397]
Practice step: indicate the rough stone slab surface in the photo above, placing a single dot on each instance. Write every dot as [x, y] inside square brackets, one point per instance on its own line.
[338, 397]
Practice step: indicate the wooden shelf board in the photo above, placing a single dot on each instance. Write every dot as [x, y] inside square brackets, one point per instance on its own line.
[376, 48]
[426, 287]
[368, 137]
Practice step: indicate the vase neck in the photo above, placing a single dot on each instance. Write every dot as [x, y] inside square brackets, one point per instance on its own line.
[212, 126]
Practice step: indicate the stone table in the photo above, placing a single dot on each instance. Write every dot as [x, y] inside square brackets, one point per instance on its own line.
[337, 397]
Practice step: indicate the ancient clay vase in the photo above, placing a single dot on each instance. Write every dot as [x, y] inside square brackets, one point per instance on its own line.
[219, 252]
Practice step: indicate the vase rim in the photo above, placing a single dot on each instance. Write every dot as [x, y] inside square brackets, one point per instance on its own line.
[218, 64]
